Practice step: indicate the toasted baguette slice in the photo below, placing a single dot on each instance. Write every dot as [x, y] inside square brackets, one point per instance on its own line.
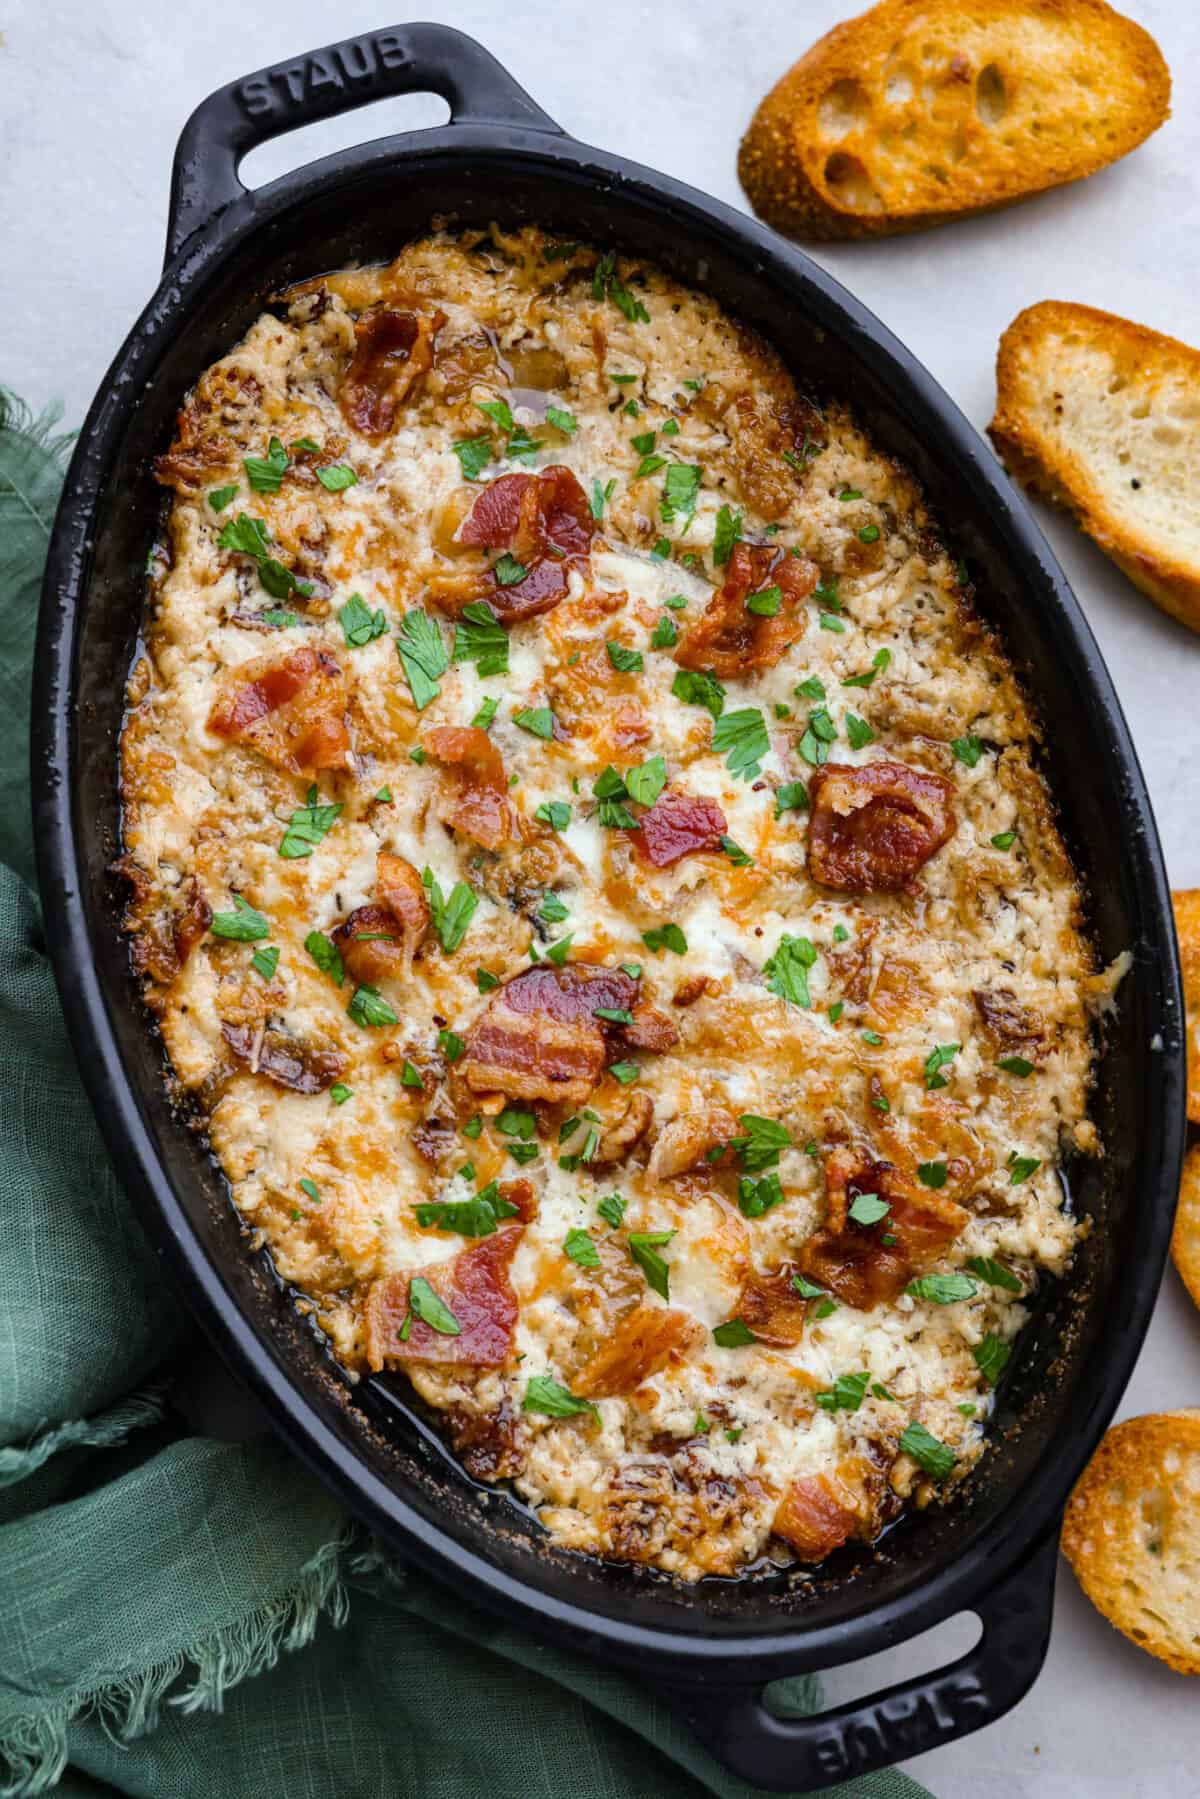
[1185, 1238]
[1103, 417]
[923, 110]
[1132, 1533]
[1187, 929]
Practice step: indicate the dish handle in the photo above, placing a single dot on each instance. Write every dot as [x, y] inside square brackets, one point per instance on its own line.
[806, 1755]
[404, 59]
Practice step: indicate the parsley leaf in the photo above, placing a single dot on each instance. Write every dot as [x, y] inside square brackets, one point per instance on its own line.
[737, 855]
[579, 1248]
[868, 1208]
[787, 970]
[680, 491]
[452, 915]
[734, 1334]
[337, 477]
[879, 662]
[508, 571]
[474, 454]
[932, 1174]
[644, 1247]
[265, 962]
[479, 637]
[744, 734]
[699, 690]
[623, 659]
[664, 635]
[991, 1357]
[538, 721]
[359, 624]
[937, 1059]
[266, 475]
[612, 1209]
[995, 1274]
[792, 796]
[475, 1217]
[422, 656]
[757, 1197]
[1021, 1167]
[326, 955]
[645, 783]
[242, 925]
[555, 813]
[934, 1457]
[846, 1394]
[607, 284]
[858, 731]
[431, 1310]
[942, 1289]
[369, 1009]
[499, 412]
[667, 936]
[307, 827]
[543, 1394]
[562, 420]
[764, 1139]
[220, 497]
[967, 749]
[1016, 1065]
[727, 534]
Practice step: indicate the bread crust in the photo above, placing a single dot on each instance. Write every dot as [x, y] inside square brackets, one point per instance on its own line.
[1187, 927]
[1185, 1238]
[1131, 1529]
[890, 122]
[1044, 460]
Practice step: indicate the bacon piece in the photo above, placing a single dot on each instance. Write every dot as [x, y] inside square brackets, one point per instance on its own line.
[474, 1285]
[727, 639]
[371, 946]
[873, 827]
[637, 1348]
[772, 1308]
[651, 1030]
[815, 1517]
[392, 351]
[852, 1260]
[539, 1038]
[685, 1143]
[398, 887]
[287, 1061]
[478, 804]
[628, 1131]
[678, 824]
[292, 711]
[1012, 1029]
[191, 921]
[545, 522]
[520, 1193]
[487, 1446]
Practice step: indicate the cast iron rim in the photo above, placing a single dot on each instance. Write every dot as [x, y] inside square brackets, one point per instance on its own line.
[1007, 1541]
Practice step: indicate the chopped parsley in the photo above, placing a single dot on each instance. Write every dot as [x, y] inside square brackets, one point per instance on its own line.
[474, 454]
[1021, 1167]
[869, 534]
[646, 782]
[935, 1061]
[544, 1394]
[644, 1247]
[243, 925]
[868, 1208]
[991, 1356]
[1004, 840]
[451, 915]
[265, 474]
[696, 689]
[326, 955]
[744, 735]
[607, 285]
[667, 936]
[508, 571]
[1015, 1065]
[479, 637]
[555, 813]
[600, 497]
[680, 491]
[734, 1334]
[265, 962]
[879, 662]
[612, 1209]
[846, 1394]
[757, 1197]
[422, 656]
[538, 721]
[967, 749]
[623, 659]
[942, 1289]
[760, 1147]
[787, 970]
[932, 1174]
[562, 420]
[431, 1310]
[475, 1217]
[310, 1190]
[249, 537]
[359, 624]
[486, 981]
[337, 477]
[451, 1045]
[486, 713]
[935, 1458]
[579, 1248]
[624, 1072]
[664, 635]
[995, 1274]
[308, 826]
[727, 533]
[369, 1009]
[737, 855]
[339, 1093]
[220, 497]
[766, 602]
[792, 796]
[858, 731]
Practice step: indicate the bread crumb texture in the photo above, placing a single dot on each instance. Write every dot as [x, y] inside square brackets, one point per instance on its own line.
[1102, 416]
[1132, 1534]
[921, 111]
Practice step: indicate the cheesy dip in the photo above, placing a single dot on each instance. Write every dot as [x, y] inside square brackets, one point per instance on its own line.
[589, 869]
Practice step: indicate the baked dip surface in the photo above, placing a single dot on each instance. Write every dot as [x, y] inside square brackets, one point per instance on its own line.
[588, 866]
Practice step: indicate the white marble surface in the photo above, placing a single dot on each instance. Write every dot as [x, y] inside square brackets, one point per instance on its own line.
[92, 95]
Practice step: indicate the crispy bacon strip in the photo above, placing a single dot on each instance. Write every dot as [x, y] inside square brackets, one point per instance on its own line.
[539, 1036]
[1012, 1029]
[398, 887]
[728, 639]
[544, 521]
[474, 1285]
[478, 801]
[291, 710]
[378, 942]
[852, 1260]
[772, 1308]
[678, 824]
[815, 1517]
[287, 1061]
[392, 351]
[640, 1345]
[873, 827]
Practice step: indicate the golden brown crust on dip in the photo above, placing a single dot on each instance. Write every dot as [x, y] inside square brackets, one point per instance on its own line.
[545, 1019]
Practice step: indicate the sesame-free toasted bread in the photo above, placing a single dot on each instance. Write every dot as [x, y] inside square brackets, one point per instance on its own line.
[1132, 1534]
[920, 111]
[1187, 928]
[1103, 417]
[1185, 1238]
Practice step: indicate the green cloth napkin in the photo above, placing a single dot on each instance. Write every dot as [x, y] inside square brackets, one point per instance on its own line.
[186, 1617]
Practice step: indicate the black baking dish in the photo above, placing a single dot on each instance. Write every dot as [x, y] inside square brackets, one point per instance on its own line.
[711, 1647]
